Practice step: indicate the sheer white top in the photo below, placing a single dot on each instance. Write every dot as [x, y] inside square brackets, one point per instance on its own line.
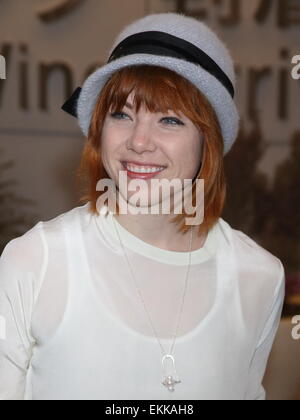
[74, 327]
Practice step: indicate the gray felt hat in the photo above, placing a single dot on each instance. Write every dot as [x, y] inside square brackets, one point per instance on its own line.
[180, 43]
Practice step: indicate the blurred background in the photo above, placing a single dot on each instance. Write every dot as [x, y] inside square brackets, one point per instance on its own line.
[51, 46]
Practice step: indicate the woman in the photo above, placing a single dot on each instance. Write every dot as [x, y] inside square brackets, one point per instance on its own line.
[95, 300]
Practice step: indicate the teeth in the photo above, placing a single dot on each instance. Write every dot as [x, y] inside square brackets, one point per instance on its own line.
[142, 169]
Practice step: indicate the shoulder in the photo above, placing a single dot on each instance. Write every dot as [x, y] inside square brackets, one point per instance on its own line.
[53, 231]
[75, 216]
[27, 251]
[253, 258]
[21, 264]
[22, 251]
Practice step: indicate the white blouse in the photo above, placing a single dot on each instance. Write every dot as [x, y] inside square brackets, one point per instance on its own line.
[73, 326]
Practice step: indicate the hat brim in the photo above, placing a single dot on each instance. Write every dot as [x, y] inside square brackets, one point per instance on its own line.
[214, 91]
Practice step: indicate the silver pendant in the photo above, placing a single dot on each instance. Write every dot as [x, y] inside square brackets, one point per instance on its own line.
[170, 377]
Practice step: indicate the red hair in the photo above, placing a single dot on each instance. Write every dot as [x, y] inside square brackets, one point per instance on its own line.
[159, 90]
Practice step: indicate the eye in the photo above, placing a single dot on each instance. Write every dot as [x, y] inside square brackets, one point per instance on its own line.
[116, 114]
[174, 120]
[120, 115]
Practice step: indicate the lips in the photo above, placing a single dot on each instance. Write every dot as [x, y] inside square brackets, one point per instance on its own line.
[129, 167]
[145, 164]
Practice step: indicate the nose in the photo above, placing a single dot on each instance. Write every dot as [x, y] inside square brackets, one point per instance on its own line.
[140, 138]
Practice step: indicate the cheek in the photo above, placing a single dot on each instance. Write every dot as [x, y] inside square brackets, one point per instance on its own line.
[188, 149]
[109, 143]
[106, 152]
[190, 156]
[196, 147]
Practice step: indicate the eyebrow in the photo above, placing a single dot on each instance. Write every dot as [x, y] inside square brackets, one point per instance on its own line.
[128, 105]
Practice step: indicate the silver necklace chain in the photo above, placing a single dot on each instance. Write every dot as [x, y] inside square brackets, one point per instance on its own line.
[169, 381]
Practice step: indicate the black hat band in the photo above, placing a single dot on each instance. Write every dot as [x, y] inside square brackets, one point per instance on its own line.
[162, 44]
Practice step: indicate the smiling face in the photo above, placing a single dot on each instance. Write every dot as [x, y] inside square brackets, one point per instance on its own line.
[144, 141]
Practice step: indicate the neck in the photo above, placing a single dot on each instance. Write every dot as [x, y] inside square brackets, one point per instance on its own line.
[159, 231]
